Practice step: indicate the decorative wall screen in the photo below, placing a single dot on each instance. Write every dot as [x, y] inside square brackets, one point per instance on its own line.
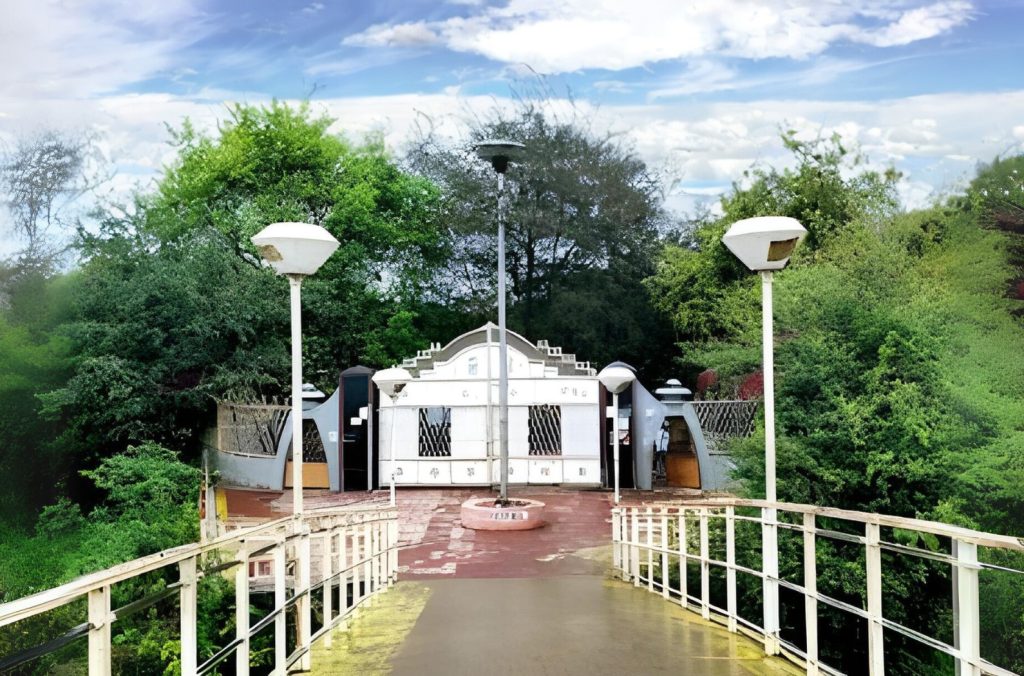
[435, 432]
[723, 420]
[312, 445]
[545, 430]
[250, 429]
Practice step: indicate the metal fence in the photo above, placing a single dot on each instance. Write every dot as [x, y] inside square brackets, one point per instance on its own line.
[356, 558]
[653, 545]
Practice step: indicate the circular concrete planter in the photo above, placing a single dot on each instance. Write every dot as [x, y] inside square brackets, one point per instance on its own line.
[484, 514]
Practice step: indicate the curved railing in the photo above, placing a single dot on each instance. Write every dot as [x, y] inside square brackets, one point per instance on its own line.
[654, 545]
[355, 557]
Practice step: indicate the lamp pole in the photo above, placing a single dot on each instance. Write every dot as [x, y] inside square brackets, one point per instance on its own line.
[616, 377]
[764, 244]
[615, 443]
[499, 153]
[295, 250]
[295, 282]
[502, 344]
[768, 359]
[391, 382]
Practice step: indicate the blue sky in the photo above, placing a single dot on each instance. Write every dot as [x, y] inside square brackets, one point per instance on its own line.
[700, 88]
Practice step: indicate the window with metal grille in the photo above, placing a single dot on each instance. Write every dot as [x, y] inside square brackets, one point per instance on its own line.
[435, 432]
[545, 430]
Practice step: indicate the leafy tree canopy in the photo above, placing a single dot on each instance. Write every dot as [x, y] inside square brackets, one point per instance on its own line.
[584, 224]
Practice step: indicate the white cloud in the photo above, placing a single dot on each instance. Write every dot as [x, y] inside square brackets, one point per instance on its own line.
[920, 23]
[609, 34]
[416, 34]
[699, 144]
[48, 47]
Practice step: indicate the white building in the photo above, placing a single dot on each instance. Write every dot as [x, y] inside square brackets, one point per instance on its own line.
[445, 422]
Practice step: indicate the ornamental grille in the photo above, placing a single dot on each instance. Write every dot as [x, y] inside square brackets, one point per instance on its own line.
[723, 420]
[250, 429]
[545, 430]
[435, 432]
[312, 444]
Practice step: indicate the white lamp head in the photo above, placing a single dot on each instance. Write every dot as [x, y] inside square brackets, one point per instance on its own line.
[391, 381]
[295, 248]
[616, 377]
[499, 152]
[765, 242]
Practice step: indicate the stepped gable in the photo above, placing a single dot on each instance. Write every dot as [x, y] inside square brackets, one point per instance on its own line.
[541, 352]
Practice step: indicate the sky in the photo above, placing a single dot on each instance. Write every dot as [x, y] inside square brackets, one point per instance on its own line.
[700, 89]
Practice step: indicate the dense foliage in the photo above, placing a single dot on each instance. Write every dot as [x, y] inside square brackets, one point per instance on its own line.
[900, 383]
[900, 387]
[584, 223]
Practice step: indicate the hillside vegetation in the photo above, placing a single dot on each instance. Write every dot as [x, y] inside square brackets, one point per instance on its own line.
[899, 336]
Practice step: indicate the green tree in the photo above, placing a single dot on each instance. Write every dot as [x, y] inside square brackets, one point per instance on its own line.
[279, 163]
[584, 223]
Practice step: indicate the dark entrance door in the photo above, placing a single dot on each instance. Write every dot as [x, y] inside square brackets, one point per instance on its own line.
[357, 420]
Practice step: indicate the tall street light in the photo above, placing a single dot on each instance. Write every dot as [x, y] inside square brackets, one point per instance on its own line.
[764, 244]
[295, 250]
[499, 153]
[616, 377]
[391, 382]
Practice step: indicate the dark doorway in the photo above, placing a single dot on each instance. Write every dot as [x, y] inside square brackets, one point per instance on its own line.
[357, 419]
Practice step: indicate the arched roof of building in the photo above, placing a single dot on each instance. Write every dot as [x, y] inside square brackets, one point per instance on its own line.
[540, 352]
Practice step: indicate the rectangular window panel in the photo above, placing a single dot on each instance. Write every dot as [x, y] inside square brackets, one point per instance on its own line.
[545, 430]
[435, 432]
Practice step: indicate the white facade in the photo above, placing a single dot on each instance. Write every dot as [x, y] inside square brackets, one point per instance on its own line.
[445, 422]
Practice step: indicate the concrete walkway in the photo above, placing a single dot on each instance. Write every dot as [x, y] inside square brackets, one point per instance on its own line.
[576, 624]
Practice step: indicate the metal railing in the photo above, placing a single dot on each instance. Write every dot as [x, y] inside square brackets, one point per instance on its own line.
[653, 545]
[357, 557]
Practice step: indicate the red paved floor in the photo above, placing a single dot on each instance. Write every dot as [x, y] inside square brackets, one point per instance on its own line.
[435, 545]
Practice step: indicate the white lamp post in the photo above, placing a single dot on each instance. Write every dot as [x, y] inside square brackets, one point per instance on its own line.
[295, 250]
[391, 382]
[764, 244]
[616, 377]
[499, 153]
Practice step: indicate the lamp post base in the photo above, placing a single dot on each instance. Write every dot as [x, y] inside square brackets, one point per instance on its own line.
[488, 514]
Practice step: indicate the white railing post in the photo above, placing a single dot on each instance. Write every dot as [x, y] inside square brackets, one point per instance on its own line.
[650, 549]
[342, 566]
[968, 629]
[357, 567]
[304, 615]
[188, 611]
[99, 631]
[616, 537]
[664, 552]
[730, 563]
[367, 554]
[810, 594]
[624, 545]
[393, 546]
[326, 571]
[705, 566]
[381, 552]
[683, 600]
[770, 581]
[634, 554]
[280, 622]
[873, 569]
[242, 612]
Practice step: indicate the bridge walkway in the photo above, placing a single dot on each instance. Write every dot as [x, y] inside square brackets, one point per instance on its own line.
[578, 624]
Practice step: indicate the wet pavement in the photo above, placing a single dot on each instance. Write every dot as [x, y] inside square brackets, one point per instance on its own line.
[577, 624]
[517, 602]
[435, 545]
